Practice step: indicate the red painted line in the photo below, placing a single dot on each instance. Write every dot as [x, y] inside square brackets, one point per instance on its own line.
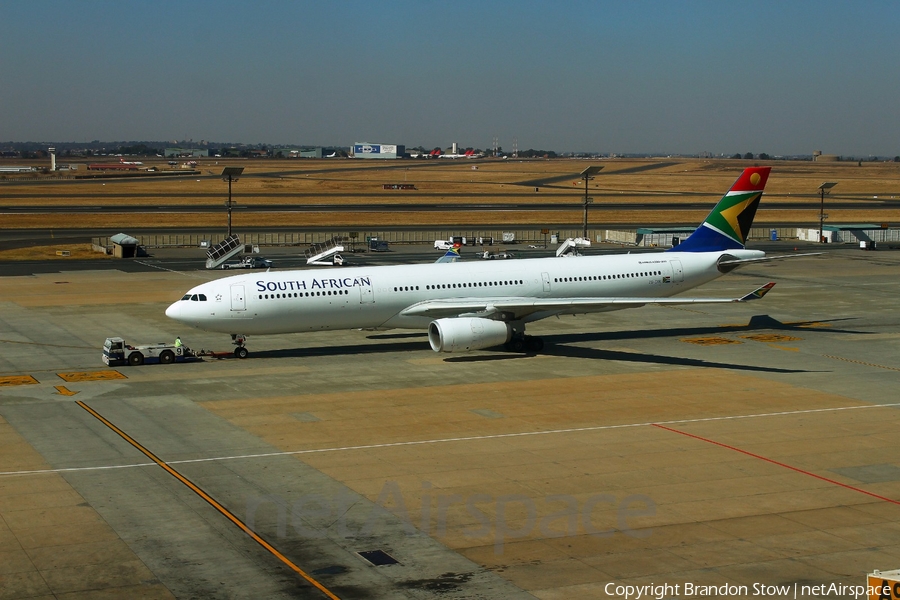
[780, 464]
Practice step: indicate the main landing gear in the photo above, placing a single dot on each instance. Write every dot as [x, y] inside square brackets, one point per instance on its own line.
[519, 342]
[240, 351]
[525, 343]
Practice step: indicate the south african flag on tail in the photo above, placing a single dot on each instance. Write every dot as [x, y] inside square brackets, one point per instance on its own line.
[727, 226]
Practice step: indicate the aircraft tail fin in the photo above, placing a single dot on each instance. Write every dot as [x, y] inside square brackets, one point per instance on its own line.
[728, 224]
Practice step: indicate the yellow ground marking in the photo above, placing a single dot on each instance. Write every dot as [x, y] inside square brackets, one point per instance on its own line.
[710, 341]
[209, 499]
[859, 362]
[91, 376]
[9, 380]
[771, 337]
[64, 391]
[788, 348]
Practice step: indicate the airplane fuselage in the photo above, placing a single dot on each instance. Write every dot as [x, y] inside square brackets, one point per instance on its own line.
[294, 301]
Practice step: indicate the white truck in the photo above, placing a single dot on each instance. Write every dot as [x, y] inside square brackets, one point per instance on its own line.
[117, 352]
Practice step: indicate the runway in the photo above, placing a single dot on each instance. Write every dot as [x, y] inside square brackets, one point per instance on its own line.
[742, 444]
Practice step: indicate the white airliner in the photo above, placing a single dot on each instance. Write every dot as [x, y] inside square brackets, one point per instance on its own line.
[466, 154]
[474, 305]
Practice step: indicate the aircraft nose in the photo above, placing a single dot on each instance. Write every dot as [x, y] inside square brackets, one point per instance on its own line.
[174, 310]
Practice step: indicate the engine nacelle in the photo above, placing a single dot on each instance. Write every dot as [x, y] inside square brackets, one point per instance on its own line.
[464, 334]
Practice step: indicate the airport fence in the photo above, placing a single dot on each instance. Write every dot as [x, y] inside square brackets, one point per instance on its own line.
[493, 237]
[474, 237]
[630, 237]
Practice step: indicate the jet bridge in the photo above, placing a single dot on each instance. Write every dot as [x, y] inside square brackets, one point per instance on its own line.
[224, 250]
[326, 254]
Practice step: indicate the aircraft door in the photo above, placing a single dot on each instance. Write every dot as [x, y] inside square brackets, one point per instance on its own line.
[546, 278]
[366, 293]
[238, 301]
[677, 271]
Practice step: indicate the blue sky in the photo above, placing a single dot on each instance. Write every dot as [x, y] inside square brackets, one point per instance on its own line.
[673, 77]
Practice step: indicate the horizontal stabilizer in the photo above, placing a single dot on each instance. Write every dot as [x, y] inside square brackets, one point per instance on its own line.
[736, 262]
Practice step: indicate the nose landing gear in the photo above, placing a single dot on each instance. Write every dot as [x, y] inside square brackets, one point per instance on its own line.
[240, 351]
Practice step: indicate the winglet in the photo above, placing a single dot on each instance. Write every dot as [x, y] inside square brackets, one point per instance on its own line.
[758, 292]
[452, 255]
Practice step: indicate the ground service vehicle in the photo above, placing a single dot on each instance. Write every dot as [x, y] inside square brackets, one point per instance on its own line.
[249, 262]
[376, 245]
[117, 352]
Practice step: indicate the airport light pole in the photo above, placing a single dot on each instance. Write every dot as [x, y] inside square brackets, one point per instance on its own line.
[587, 175]
[230, 174]
[823, 189]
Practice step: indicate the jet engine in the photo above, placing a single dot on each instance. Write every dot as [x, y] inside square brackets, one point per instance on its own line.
[464, 334]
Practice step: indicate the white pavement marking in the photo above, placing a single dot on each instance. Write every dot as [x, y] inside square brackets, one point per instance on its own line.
[146, 264]
[473, 438]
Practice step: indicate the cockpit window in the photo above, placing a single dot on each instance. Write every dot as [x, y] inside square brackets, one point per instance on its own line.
[202, 297]
[186, 297]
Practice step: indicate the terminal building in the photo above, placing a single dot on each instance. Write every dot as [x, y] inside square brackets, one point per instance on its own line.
[366, 150]
[186, 153]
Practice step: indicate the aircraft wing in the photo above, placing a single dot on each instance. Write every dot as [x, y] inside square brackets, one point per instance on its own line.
[521, 308]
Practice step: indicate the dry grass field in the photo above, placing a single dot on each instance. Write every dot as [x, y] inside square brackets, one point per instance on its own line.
[667, 182]
[53, 252]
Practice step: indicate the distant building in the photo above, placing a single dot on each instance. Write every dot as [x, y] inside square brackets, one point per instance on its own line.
[186, 153]
[365, 150]
[819, 157]
[295, 153]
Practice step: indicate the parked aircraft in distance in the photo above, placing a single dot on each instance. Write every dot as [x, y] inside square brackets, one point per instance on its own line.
[467, 154]
[474, 305]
